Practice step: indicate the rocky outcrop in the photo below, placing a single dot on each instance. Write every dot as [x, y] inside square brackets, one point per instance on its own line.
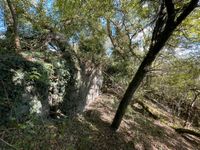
[33, 85]
[84, 87]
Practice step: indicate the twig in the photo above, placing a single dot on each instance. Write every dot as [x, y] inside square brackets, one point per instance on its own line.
[7, 144]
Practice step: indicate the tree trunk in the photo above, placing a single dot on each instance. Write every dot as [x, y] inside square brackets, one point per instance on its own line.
[137, 79]
[16, 39]
[165, 25]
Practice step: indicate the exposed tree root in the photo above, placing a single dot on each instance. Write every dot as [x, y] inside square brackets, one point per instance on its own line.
[144, 109]
[182, 130]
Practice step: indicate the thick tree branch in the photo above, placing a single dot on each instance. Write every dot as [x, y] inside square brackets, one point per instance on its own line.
[170, 9]
[186, 11]
[159, 24]
[12, 11]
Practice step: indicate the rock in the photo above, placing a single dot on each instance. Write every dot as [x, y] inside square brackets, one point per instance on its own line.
[33, 88]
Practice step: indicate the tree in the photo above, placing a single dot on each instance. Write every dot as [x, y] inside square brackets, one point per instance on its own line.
[169, 17]
[128, 31]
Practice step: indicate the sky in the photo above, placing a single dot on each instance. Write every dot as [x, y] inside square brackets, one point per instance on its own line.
[2, 25]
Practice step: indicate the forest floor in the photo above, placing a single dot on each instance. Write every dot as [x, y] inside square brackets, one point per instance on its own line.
[91, 131]
[137, 130]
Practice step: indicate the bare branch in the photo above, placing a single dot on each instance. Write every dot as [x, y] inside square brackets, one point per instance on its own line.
[112, 39]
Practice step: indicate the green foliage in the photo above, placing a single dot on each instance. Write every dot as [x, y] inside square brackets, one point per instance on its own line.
[91, 45]
[121, 71]
[181, 75]
[91, 48]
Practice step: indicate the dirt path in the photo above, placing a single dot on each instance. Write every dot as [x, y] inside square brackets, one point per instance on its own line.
[142, 133]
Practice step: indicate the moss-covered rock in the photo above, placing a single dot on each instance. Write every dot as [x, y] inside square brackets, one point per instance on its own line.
[28, 85]
[41, 83]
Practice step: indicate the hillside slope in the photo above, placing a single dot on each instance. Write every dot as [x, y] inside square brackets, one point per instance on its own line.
[91, 131]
